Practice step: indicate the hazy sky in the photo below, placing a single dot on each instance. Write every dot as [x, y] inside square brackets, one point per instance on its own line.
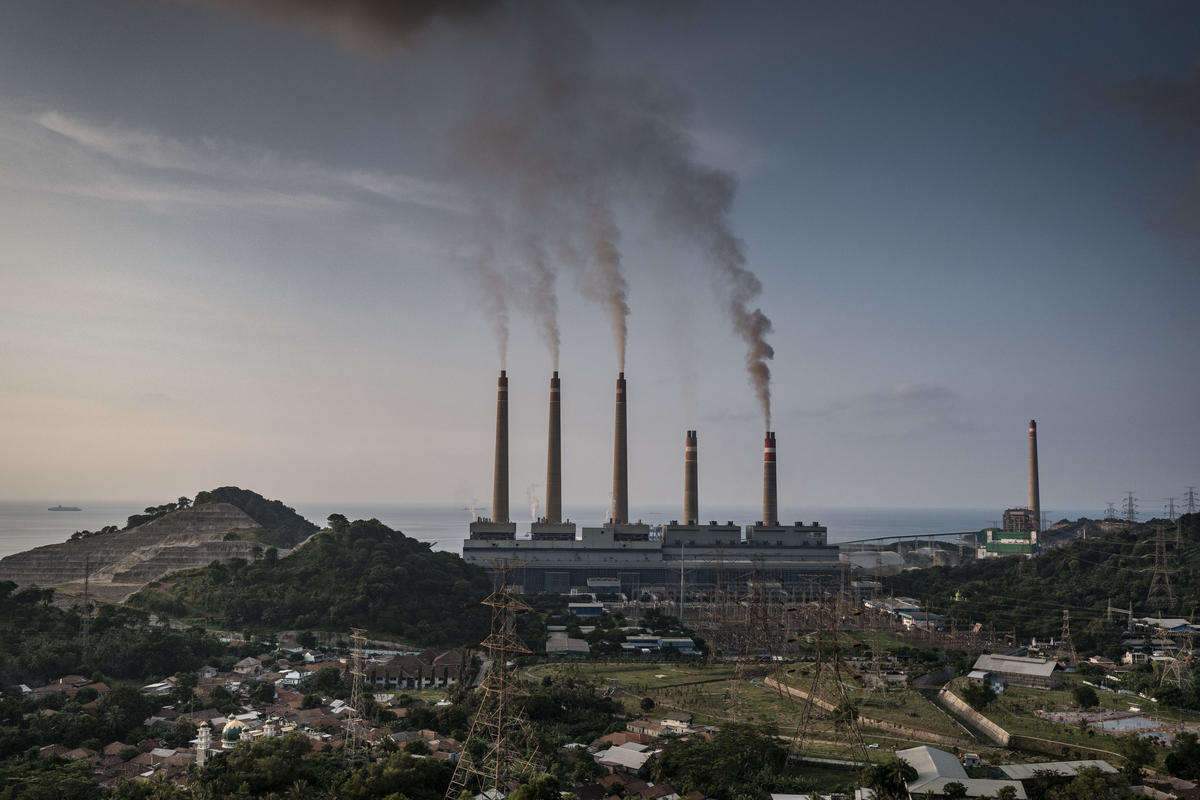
[267, 248]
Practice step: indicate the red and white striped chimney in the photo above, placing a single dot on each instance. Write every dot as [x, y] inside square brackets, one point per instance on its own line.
[770, 492]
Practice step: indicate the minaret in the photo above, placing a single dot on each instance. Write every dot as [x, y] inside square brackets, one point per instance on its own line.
[554, 455]
[620, 492]
[1035, 499]
[770, 496]
[203, 742]
[691, 503]
[500, 487]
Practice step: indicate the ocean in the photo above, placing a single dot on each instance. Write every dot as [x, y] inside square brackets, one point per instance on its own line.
[26, 524]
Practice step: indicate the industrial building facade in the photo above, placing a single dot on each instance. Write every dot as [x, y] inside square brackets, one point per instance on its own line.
[687, 556]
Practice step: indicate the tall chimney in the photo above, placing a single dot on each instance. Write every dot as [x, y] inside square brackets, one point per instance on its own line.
[500, 487]
[770, 494]
[1035, 499]
[620, 507]
[691, 503]
[554, 456]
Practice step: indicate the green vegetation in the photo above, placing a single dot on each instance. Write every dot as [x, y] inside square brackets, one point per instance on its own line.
[364, 575]
[282, 526]
[740, 763]
[42, 642]
[1030, 594]
[979, 695]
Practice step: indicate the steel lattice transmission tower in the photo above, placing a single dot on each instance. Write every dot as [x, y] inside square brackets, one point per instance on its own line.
[1065, 645]
[828, 671]
[1178, 671]
[1160, 579]
[498, 754]
[1129, 506]
[355, 750]
[1189, 500]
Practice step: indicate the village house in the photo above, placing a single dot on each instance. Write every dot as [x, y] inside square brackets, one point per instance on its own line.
[421, 671]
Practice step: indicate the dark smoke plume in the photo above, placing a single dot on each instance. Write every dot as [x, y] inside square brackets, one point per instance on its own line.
[378, 22]
[550, 146]
[1173, 105]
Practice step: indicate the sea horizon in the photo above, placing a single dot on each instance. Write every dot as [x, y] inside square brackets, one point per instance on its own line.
[27, 524]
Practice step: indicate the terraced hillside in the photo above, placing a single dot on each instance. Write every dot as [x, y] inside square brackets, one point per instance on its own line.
[119, 563]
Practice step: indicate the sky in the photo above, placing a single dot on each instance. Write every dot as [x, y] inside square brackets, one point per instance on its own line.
[287, 245]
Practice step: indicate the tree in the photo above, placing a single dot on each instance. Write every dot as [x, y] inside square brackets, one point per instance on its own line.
[543, 787]
[1088, 784]
[978, 695]
[888, 781]
[1184, 759]
[418, 747]
[1138, 753]
[183, 502]
[647, 704]
[338, 523]
[1085, 696]
[263, 692]
[954, 790]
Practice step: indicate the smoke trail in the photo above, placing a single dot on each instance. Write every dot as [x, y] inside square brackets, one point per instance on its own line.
[493, 294]
[549, 140]
[540, 298]
[609, 287]
[374, 22]
[533, 501]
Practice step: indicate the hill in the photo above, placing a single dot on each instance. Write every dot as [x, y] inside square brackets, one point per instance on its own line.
[223, 524]
[361, 574]
[1029, 595]
[279, 525]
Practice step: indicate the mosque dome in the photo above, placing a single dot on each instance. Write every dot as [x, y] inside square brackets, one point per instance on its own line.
[233, 730]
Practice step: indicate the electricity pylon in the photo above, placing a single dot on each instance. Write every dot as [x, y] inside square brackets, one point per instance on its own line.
[498, 755]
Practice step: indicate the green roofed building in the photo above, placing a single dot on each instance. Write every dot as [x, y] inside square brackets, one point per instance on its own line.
[998, 543]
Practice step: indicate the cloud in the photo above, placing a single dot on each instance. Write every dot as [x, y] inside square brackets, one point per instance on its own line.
[116, 163]
[906, 400]
[904, 408]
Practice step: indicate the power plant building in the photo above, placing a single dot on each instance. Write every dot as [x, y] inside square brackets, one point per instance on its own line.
[630, 555]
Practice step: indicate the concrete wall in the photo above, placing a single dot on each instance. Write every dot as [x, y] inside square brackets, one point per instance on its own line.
[981, 723]
[868, 722]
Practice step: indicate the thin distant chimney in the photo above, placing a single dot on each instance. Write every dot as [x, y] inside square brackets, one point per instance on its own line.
[1035, 499]
[620, 507]
[770, 494]
[691, 502]
[500, 487]
[554, 455]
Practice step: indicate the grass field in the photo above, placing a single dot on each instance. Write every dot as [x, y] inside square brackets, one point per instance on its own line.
[712, 697]
[1014, 710]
